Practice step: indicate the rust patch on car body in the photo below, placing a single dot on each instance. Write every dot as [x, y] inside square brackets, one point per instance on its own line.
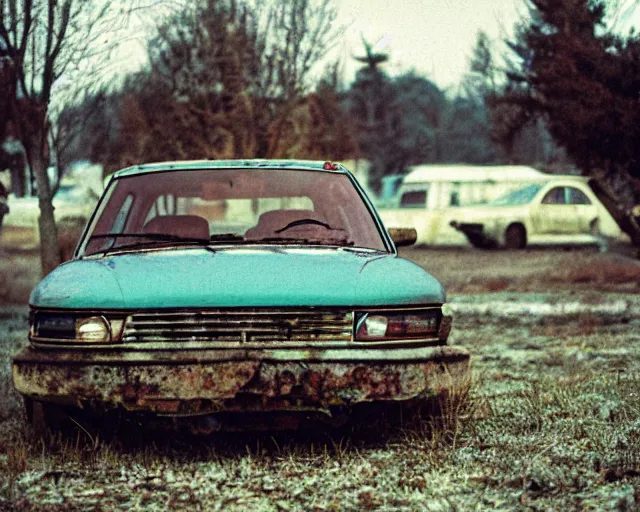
[211, 381]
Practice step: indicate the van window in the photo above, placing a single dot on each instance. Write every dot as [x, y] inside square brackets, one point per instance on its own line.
[414, 199]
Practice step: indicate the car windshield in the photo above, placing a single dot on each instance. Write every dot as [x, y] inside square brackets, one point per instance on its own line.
[231, 206]
[521, 196]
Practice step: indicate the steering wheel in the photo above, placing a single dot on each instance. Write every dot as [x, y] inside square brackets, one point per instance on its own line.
[302, 222]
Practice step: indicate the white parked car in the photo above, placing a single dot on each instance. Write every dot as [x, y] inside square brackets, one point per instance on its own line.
[432, 196]
[559, 211]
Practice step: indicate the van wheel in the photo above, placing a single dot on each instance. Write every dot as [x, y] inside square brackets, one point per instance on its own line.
[515, 237]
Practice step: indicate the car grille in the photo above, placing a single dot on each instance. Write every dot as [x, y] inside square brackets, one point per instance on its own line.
[244, 326]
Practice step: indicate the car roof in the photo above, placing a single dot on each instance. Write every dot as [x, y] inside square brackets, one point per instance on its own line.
[569, 181]
[185, 165]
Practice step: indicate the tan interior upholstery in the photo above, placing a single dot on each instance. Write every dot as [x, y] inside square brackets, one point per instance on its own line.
[271, 221]
[187, 226]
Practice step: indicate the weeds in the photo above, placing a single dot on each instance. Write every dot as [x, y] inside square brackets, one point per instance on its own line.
[551, 421]
[617, 271]
[16, 458]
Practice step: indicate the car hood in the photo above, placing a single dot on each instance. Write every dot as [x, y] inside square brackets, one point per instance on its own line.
[237, 277]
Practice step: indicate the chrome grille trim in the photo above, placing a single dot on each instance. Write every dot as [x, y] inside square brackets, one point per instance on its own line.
[238, 326]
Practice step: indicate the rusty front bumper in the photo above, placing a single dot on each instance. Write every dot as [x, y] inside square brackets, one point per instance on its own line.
[208, 381]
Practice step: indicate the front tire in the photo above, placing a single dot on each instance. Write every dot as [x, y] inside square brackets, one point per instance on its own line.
[43, 418]
[515, 237]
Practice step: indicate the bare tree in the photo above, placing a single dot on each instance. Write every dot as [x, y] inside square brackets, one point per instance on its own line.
[43, 42]
[295, 35]
[227, 79]
[42, 39]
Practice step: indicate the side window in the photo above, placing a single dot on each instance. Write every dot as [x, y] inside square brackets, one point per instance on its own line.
[554, 196]
[577, 196]
[414, 199]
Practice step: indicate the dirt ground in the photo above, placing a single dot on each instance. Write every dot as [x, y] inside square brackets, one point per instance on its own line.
[552, 420]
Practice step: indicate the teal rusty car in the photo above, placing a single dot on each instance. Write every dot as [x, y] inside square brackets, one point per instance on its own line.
[223, 291]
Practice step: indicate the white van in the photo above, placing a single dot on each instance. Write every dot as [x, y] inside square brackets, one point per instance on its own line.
[429, 195]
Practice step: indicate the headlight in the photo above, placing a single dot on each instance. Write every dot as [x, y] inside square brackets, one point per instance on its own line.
[63, 327]
[381, 326]
[93, 329]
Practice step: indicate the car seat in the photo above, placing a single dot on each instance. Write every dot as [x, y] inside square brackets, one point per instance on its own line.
[187, 226]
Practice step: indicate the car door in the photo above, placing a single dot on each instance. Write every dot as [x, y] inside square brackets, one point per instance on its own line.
[554, 215]
[586, 211]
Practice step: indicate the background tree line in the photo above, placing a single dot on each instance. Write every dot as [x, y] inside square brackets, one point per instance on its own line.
[232, 79]
[216, 87]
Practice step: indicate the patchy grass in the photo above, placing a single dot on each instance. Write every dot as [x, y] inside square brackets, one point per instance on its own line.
[477, 271]
[612, 271]
[20, 268]
[13, 336]
[19, 273]
[551, 422]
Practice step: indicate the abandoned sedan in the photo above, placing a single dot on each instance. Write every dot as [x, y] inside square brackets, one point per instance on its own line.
[560, 211]
[227, 293]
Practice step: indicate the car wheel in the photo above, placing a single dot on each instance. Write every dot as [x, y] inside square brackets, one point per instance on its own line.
[515, 237]
[42, 417]
[594, 230]
[48, 421]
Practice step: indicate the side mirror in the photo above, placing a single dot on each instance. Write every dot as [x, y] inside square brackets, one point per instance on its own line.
[403, 236]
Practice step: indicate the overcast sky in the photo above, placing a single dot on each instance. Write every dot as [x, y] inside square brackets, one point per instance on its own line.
[436, 37]
[433, 37]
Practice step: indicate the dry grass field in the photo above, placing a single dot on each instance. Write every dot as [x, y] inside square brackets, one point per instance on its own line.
[552, 421]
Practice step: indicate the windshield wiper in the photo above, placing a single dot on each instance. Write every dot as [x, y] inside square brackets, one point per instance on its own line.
[226, 237]
[153, 239]
[318, 241]
[151, 236]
